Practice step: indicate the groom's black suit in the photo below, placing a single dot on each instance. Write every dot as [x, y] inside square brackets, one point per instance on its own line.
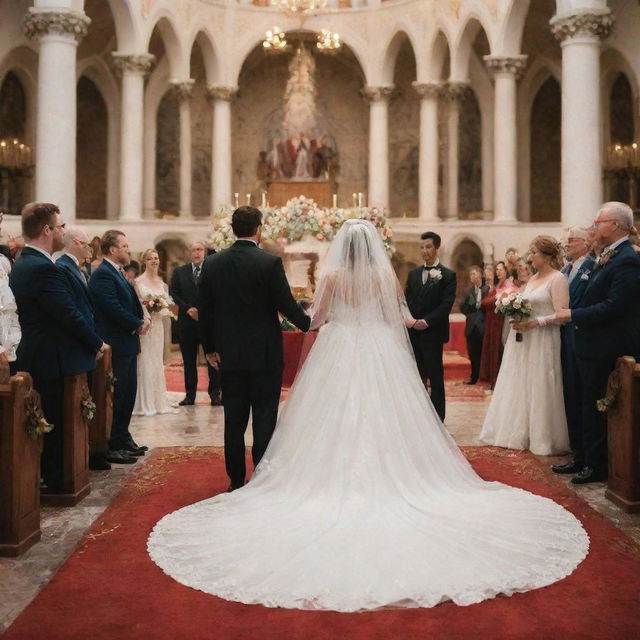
[606, 322]
[432, 301]
[242, 289]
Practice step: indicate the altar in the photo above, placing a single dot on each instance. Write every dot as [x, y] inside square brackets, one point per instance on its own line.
[279, 192]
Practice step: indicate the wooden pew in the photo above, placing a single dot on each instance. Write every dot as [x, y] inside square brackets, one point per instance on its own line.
[624, 436]
[75, 483]
[19, 467]
[102, 392]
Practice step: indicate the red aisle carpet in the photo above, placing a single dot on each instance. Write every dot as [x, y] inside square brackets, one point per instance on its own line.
[110, 590]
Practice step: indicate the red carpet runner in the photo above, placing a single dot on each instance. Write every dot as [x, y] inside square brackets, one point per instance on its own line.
[110, 590]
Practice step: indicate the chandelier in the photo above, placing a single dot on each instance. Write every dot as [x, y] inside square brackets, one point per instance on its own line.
[14, 154]
[299, 6]
[328, 41]
[275, 41]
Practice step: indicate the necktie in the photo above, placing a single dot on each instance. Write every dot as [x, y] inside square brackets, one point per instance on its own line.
[196, 273]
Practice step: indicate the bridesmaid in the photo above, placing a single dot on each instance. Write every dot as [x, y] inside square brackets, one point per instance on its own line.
[493, 326]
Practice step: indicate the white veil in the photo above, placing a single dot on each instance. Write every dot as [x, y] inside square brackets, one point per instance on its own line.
[357, 282]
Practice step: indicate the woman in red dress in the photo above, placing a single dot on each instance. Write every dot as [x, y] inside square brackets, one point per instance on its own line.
[493, 324]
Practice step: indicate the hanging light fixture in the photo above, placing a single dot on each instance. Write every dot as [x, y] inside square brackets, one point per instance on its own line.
[15, 154]
[299, 6]
[275, 41]
[328, 41]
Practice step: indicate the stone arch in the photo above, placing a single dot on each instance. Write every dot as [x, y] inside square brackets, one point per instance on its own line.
[92, 127]
[509, 37]
[439, 65]
[613, 64]
[464, 45]
[127, 30]
[205, 41]
[466, 253]
[173, 250]
[165, 25]
[396, 42]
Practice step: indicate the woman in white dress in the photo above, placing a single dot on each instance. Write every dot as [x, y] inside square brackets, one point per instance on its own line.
[527, 407]
[153, 292]
[10, 333]
[362, 499]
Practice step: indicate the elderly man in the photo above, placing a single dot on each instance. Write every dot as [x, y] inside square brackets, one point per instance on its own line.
[57, 340]
[606, 322]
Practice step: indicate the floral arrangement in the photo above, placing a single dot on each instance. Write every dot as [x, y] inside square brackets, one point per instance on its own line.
[513, 305]
[155, 304]
[111, 381]
[605, 256]
[88, 407]
[35, 423]
[299, 218]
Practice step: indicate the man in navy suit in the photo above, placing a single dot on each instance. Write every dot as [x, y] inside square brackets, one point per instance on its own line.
[606, 323]
[578, 271]
[119, 320]
[57, 339]
[431, 291]
[76, 252]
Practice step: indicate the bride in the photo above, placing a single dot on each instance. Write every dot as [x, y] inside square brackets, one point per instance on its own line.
[362, 499]
[153, 292]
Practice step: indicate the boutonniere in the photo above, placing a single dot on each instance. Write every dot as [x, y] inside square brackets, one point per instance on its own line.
[584, 275]
[605, 256]
[435, 275]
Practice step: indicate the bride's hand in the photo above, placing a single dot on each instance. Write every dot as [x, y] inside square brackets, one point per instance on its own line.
[524, 326]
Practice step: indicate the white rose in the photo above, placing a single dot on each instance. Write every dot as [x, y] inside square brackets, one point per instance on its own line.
[435, 274]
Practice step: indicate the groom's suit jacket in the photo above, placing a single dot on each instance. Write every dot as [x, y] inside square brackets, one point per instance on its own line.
[57, 340]
[242, 289]
[607, 316]
[432, 301]
[118, 311]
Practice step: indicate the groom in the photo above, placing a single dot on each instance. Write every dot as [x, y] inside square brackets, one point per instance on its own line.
[242, 290]
[430, 293]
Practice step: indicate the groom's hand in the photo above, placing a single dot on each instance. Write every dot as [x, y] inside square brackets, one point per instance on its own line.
[214, 360]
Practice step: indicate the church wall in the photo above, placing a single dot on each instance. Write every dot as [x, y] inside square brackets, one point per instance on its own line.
[168, 155]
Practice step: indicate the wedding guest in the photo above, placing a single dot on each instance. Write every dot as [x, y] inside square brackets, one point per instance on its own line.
[9, 325]
[56, 339]
[184, 291]
[70, 261]
[153, 292]
[511, 260]
[527, 406]
[96, 254]
[607, 326]
[132, 271]
[120, 320]
[578, 271]
[474, 325]
[493, 326]
[430, 293]
[523, 274]
[16, 245]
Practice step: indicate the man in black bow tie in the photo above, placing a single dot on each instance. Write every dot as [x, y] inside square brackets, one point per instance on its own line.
[431, 291]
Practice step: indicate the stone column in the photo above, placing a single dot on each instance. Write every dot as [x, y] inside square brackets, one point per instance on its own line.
[453, 93]
[221, 145]
[378, 97]
[580, 35]
[428, 153]
[184, 92]
[133, 69]
[506, 71]
[59, 33]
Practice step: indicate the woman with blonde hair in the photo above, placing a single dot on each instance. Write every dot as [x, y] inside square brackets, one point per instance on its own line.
[153, 292]
[527, 407]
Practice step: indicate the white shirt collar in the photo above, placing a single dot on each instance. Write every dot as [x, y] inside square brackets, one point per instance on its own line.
[615, 244]
[42, 251]
[66, 253]
[114, 265]
[435, 264]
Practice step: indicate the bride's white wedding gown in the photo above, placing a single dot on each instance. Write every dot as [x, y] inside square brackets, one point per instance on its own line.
[151, 397]
[363, 500]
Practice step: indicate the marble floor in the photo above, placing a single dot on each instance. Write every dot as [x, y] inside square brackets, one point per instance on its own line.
[199, 425]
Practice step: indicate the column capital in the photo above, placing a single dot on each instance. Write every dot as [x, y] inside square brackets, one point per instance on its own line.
[589, 23]
[182, 89]
[512, 65]
[39, 23]
[377, 94]
[428, 89]
[454, 91]
[136, 62]
[220, 92]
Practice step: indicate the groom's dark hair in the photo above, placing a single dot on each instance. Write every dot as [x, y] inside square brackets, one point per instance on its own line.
[432, 235]
[245, 221]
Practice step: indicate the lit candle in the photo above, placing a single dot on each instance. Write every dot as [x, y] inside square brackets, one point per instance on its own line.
[248, 198]
[359, 198]
[235, 199]
[355, 199]
[335, 200]
[264, 199]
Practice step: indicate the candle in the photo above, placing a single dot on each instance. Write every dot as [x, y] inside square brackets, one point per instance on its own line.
[355, 199]
[359, 198]
[335, 200]
[248, 198]
[235, 199]
[264, 199]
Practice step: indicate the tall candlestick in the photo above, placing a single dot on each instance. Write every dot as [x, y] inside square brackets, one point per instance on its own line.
[359, 198]
[335, 200]
[248, 198]
[355, 199]
[235, 199]
[264, 199]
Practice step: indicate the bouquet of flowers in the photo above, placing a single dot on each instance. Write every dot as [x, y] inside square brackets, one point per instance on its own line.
[514, 306]
[160, 304]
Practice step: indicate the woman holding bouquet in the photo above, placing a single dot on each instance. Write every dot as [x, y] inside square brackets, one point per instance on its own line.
[527, 407]
[154, 295]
